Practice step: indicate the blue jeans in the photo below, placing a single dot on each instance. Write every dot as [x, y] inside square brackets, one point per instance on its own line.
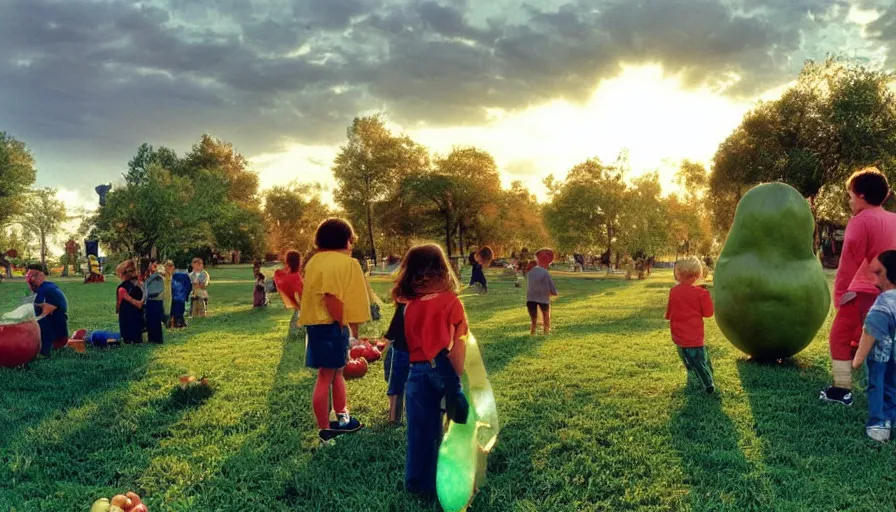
[423, 402]
[881, 392]
[395, 369]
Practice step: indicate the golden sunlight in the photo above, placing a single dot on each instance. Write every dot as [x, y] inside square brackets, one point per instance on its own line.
[651, 114]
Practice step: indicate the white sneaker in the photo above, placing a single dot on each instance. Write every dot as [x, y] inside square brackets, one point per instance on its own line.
[880, 433]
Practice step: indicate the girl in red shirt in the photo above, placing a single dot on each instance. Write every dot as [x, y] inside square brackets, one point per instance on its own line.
[688, 306]
[289, 285]
[435, 324]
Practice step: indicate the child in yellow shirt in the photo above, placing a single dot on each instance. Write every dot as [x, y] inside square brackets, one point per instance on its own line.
[334, 304]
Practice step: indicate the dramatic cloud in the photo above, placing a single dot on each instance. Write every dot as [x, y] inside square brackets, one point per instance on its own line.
[89, 76]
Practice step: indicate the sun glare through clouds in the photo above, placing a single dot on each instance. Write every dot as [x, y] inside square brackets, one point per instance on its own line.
[655, 117]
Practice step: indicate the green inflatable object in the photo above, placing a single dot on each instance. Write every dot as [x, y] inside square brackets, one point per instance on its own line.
[771, 295]
[464, 451]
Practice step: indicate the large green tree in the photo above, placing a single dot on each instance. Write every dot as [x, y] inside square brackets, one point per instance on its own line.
[369, 170]
[643, 226]
[42, 215]
[476, 193]
[690, 223]
[584, 209]
[17, 174]
[156, 214]
[838, 117]
[292, 213]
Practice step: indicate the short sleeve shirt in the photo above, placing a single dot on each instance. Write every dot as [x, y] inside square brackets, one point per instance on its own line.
[540, 286]
[688, 306]
[54, 326]
[289, 286]
[340, 275]
[395, 334]
[881, 324]
[427, 325]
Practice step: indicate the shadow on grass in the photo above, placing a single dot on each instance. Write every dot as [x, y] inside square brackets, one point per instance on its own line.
[95, 416]
[808, 447]
[49, 387]
[717, 473]
[283, 468]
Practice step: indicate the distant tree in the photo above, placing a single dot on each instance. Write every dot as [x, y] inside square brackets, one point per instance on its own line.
[43, 215]
[584, 209]
[369, 170]
[292, 213]
[17, 174]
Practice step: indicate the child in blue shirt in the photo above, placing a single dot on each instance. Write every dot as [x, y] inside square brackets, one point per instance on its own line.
[876, 349]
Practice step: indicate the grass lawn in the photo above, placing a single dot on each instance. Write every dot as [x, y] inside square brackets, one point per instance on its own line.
[595, 417]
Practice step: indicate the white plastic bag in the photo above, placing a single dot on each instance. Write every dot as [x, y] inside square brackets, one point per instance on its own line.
[22, 314]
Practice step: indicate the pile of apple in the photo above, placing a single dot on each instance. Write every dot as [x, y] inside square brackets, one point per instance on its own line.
[129, 502]
[360, 355]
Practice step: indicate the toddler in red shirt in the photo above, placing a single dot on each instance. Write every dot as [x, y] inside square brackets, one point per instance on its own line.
[688, 306]
[434, 326]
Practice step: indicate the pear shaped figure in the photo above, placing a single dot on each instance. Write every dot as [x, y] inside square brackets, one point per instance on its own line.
[771, 295]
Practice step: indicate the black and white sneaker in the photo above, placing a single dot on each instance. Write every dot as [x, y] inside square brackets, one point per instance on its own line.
[838, 395]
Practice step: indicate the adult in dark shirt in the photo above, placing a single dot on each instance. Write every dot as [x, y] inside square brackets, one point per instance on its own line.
[51, 308]
[129, 304]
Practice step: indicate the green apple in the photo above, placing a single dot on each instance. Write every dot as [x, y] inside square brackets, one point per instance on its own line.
[100, 505]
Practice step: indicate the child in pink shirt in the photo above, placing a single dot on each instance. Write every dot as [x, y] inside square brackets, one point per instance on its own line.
[871, 231]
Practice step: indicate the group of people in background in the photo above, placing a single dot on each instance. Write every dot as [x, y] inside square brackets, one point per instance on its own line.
[150, 299]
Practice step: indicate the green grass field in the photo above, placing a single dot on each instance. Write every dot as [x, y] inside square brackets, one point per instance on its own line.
[595, 417]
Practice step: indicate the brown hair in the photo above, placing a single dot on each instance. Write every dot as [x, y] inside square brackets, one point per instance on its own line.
[424, 270]
[334, 234]
[293, 261]
[871, 184]
[486, 254]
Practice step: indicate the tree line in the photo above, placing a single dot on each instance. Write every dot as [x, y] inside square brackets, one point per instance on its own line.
[838, 116]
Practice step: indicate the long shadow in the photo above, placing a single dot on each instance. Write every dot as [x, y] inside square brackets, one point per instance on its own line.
[281, 467]
[809, 447]
[101, 404]
[49, 387]
[276, 446]
[717, 473]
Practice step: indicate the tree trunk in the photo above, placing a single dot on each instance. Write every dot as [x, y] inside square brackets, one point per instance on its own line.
[816, 241]
[448, 235]
[460, 238]
[43, 248]
[370, 230]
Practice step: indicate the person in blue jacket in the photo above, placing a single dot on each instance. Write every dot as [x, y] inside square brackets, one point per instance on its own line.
[181, 288]
[51, 307]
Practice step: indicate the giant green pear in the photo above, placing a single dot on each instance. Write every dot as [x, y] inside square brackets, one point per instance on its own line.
[771, 295]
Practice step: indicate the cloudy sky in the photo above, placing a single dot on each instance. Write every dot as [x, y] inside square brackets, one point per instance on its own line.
[542, 84]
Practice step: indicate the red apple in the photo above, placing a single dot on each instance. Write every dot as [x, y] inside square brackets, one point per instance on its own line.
[19, 343]
[355, 368]
[357, 352]
[372, 354]
[381, 345]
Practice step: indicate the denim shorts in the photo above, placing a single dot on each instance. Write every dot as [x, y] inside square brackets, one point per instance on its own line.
[396, 365]
[327, 346]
